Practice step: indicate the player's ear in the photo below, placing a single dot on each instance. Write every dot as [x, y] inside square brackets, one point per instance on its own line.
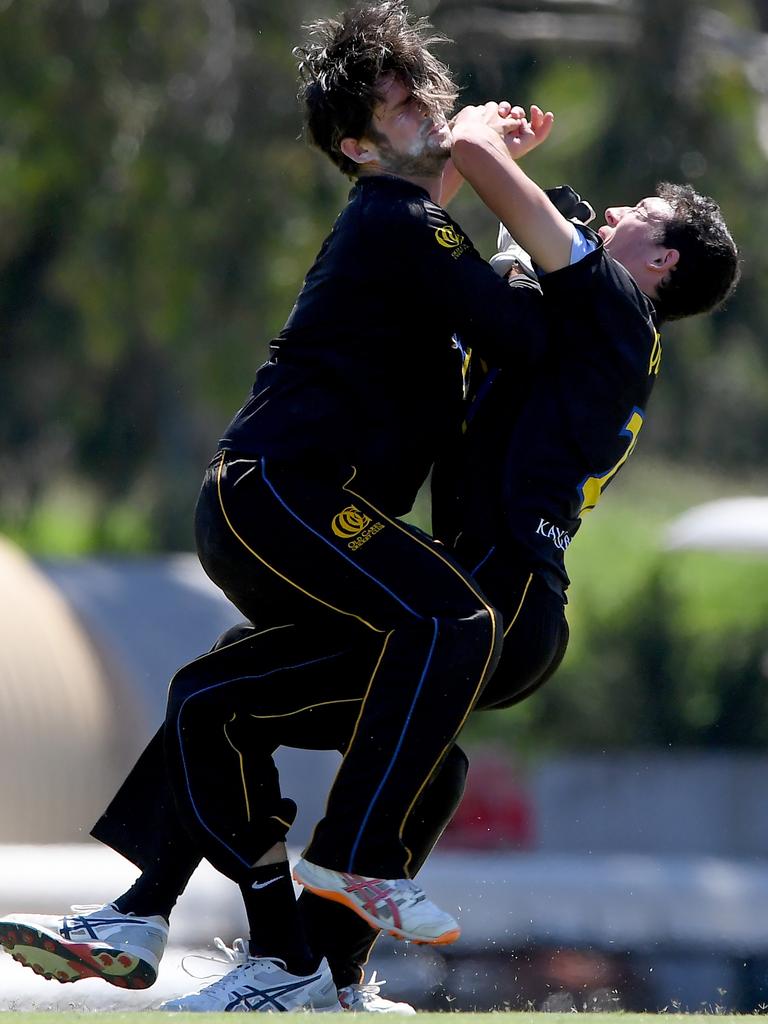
[665, 260]
[359, 151]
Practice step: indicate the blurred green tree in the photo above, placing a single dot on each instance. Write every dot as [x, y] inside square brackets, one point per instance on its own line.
[159, 212]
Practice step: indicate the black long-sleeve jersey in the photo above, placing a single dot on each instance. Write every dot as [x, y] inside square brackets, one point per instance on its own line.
[534, 459]
[366, 369]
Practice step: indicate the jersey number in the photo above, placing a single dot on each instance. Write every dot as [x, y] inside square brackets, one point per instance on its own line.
[592, 487]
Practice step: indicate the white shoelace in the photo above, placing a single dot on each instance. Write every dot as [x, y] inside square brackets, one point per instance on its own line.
[407, 893]
[237, 956]
[372, 987]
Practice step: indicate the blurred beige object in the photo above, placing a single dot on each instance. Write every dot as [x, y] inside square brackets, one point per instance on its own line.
[58, 738]
[728, 524]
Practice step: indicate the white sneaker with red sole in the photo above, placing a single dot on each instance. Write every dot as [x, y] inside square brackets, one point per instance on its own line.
[92, 942]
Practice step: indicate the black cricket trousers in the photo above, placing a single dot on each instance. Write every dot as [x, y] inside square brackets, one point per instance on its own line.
[142, 821]
[300, 548]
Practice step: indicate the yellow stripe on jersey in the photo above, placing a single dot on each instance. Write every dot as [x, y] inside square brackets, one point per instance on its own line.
[655, 363]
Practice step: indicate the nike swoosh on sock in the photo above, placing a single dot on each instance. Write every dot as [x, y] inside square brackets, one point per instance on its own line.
[263, 885]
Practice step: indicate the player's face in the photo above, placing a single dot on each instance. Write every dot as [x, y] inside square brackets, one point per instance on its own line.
[407, 138]
[630, 233]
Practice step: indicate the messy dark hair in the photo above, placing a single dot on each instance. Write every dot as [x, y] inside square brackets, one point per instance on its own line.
[340, 65]
[708, 269]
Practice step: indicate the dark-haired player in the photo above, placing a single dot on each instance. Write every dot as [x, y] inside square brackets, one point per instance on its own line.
[534, 462]
[297, 524]
[535, 457]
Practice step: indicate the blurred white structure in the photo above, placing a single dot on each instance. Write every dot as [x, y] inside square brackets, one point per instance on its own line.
[87, 649]
[60, 739]
[729, 524]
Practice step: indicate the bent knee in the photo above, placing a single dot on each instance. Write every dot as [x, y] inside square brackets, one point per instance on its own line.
[476, 636]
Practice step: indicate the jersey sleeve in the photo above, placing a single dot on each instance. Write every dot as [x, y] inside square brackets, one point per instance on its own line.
[603, 297]
[505, 326]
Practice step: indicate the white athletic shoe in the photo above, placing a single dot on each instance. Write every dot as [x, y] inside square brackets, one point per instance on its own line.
[92, 942]
[395, 905]
[258, 983]
[365, 998]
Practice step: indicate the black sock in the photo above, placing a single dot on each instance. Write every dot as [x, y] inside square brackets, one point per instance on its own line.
[275, 924]
[155, 891]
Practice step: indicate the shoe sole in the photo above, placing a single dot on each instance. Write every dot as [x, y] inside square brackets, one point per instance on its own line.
[173, 1007]
[58, 960]
[339, 897]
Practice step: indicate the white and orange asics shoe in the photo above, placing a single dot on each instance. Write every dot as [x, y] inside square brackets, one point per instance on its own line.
[91, 942]
[397, 906]
[365, 998]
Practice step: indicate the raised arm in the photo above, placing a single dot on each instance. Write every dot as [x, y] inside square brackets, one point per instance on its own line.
[486, 161]
[451, 183]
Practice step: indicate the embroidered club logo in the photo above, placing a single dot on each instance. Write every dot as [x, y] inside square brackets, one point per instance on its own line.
[448, 237]
[349, 522]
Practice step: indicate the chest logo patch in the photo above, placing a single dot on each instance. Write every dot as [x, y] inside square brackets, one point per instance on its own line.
[448, 237]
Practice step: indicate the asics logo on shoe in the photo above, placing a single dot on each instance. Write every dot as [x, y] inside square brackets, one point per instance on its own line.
[374, 895]
[256, 998]
[260, 983]
[71, 926]
[263, 885]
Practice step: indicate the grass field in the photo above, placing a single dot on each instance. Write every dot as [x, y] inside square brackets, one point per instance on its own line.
[426, 1018]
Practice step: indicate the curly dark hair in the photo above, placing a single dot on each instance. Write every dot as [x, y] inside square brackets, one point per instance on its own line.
[342, 62]
[708, 269]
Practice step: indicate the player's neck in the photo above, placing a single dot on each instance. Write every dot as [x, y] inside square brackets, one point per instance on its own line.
[430, 183]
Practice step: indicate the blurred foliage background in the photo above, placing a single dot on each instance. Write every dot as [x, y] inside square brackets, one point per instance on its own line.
[159, 209]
